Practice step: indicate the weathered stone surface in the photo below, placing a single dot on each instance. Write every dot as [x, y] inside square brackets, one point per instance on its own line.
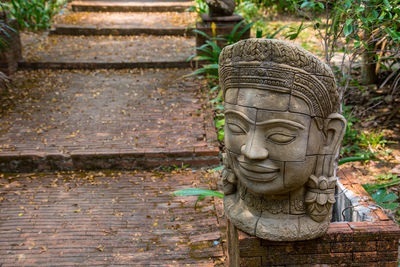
[282, 134]
[221, 8]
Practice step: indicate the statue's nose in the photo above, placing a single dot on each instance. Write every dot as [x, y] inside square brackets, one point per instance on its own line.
[254, 147]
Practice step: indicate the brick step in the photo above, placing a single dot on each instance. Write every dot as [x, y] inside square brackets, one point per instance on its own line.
[43, 162]
[119, 31]
[101, 65]
[114, 52]
[87, 23]
[107, 119]
[131, 6]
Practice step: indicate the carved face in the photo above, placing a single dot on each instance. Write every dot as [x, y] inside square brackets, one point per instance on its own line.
[272, 146]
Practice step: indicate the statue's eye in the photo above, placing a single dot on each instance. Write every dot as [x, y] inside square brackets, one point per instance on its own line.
[281, 138]
[236, 129]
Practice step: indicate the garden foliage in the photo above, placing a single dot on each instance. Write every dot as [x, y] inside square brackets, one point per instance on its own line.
[34, 14]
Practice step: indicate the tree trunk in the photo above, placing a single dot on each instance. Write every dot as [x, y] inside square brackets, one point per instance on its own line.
[368, 64]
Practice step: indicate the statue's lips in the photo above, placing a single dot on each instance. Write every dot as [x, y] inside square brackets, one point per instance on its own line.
[258, 173]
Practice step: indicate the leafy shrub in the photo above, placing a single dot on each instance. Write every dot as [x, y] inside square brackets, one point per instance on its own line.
[34, 14]
[199, 7]
[209, 52]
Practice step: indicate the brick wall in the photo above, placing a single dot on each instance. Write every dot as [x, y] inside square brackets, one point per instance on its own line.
[365, 243]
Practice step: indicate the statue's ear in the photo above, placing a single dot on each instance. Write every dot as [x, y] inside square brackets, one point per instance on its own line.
[334, 128]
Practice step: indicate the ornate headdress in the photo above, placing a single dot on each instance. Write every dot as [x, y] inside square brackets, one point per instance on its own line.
[283, 67]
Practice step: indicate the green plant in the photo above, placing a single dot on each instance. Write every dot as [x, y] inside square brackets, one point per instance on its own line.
[209, 52]
[379, 192]
[372, 140]
[385, 199]
[34, 14]
[199, 7]
[366, 29]
[248, 10]
[373, 187]
[351, 137]
[386, 177]
[279, 6]
[5, 31]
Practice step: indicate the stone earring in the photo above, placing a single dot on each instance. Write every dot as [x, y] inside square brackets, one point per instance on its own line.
[320, 197]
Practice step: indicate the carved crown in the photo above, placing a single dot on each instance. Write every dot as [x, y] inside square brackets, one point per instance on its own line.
[277, 64]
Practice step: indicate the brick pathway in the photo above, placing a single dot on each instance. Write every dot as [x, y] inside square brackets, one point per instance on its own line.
[108, 49]
[107, 219]
[102, 120]
[106, 119]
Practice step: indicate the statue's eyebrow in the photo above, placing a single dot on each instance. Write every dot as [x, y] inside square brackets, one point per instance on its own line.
[240, 114]
[282, 121]
[273, 121]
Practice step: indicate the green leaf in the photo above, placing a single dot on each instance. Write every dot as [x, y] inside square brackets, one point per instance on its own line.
[389, 197]
[214, 88]
[198, 199]
[197, 192]
[349, 21]
[220, 123]
[372, 187]
[202, 33]
[390, 206]
[352, 159]
[259, 33]
[348, 29]
[245, 29]
[219, 168]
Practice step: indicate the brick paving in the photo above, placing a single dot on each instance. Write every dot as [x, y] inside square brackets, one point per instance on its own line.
[129, 19]
[108, 49]
[107, 219]
[106, 119]
[126, 23]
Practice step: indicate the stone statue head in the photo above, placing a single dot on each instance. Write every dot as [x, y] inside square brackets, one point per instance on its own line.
[282, 135]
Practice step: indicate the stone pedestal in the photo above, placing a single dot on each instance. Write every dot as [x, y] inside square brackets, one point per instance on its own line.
[224, 26]
[10, 56]
[358, 243]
